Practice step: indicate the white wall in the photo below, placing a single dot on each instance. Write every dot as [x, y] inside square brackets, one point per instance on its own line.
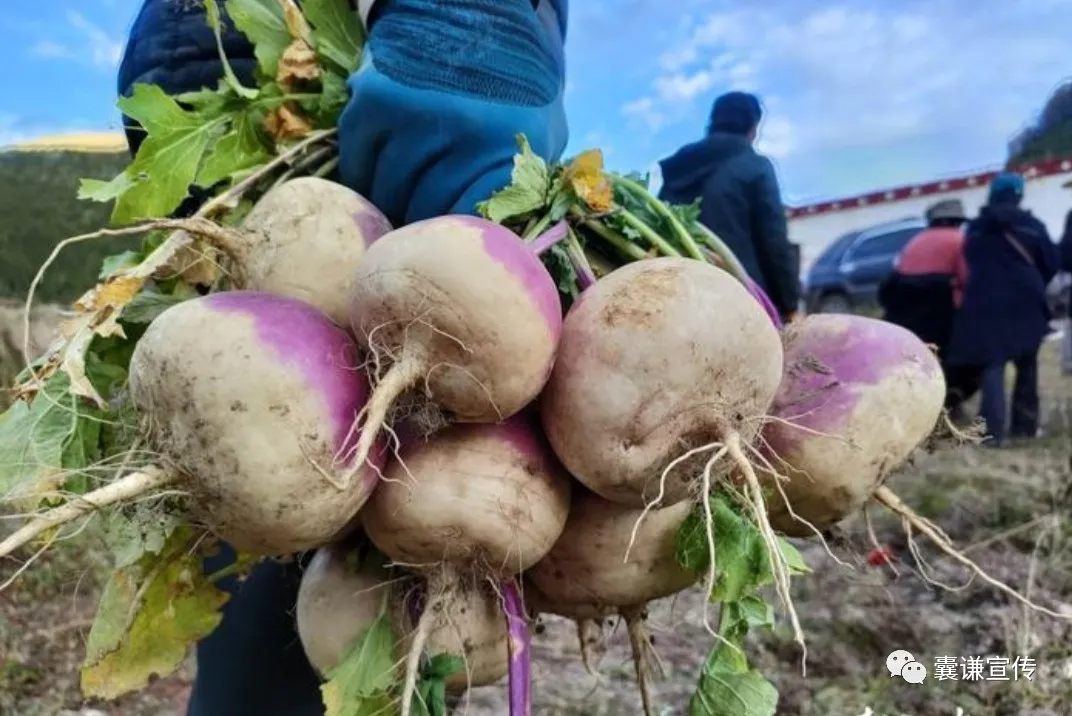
[1043, 196]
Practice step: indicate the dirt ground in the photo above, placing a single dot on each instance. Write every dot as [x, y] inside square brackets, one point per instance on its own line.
[1008, 508]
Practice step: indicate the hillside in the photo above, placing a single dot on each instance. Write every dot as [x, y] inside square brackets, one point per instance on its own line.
[39, 207]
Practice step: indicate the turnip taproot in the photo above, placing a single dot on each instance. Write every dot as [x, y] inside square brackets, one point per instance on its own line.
[858, 396]
[660, 357]
[475, 502]
[305, 239]
[249, 398]
[339, 598]
[613, 559]
[464, 308]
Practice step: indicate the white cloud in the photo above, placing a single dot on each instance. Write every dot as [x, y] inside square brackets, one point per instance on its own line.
[53, 50]
[851, 75]
[104, 51]
[92, 45]
[644, 111]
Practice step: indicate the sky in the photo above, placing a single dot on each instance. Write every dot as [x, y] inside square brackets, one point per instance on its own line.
[858, 94]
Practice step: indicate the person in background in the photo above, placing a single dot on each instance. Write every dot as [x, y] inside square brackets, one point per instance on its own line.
[925, 289]
[740, 199]
[1004, 315]
[430, 129]
[1066, 266]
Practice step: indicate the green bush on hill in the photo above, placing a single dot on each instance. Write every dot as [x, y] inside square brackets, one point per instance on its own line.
[39, 207]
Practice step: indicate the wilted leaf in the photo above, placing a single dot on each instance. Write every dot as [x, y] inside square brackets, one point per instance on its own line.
[297, 64]
[150, 614]
[33, 436]
[589, 183]
[285, 124]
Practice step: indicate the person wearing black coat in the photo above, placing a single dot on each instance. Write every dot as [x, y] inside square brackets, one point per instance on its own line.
[1004, 315]
[740, 199]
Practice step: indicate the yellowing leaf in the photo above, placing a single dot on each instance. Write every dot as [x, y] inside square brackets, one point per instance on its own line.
[297, 64]
[150, 614]
[590, 184]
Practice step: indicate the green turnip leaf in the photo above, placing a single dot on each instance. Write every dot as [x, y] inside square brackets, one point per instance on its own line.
[727, 688]
[337, 33]
[263, 24]
[362, 683]
[528, 190]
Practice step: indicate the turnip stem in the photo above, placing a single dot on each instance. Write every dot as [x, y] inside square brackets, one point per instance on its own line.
[520, 647]
[544, 241]
[619, 242]
[125, 488]
[888, 499]
[689, 244]
[662, 245]
[536, 228]
[586, 277]
[399, 378]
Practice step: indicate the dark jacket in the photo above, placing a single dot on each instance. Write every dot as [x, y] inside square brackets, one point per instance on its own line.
[740, 203]
[1004, 314]
[922, 303]
[172, 46]
[1066, 244]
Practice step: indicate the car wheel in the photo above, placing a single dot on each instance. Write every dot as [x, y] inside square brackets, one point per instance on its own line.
[835, 303]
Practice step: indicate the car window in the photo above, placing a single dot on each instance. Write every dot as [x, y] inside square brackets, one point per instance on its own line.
[833, 253]
[883, 244]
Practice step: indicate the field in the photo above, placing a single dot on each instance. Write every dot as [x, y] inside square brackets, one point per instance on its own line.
[1009, 508]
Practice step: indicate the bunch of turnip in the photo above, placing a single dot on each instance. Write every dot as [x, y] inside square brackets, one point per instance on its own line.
[565, 453]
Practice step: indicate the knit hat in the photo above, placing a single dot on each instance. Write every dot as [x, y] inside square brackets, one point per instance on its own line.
[1007, 187]
[947, 209]
[735, 113]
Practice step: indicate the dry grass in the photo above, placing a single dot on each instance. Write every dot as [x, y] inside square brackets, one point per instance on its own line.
[1009, 507]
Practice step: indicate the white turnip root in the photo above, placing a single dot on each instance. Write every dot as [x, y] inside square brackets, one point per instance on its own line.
[339, 598]
[475, 502]
[305, 239]
[464, 308]
[858, 396]
[660, 357]
[249, 399]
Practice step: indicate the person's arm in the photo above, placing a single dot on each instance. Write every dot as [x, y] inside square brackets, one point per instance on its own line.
[771, 235]
[1066, 245]
[1047, 255]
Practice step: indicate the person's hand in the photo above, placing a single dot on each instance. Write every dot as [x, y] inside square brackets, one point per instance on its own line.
[442, 93]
